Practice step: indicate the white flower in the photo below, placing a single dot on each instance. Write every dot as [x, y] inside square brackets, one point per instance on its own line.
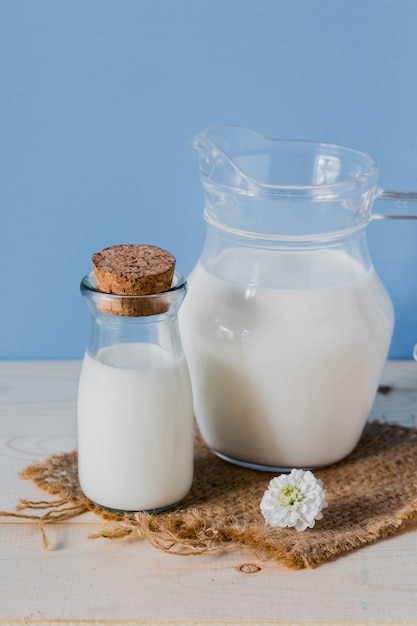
[294, 500]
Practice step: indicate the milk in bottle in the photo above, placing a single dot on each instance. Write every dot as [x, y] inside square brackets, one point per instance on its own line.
[135, 427]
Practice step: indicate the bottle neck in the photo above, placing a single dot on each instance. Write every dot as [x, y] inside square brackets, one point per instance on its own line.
[107, 331]
[117, 320]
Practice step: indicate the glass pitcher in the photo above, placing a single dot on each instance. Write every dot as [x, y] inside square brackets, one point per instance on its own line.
[286, 326]
[135, 411]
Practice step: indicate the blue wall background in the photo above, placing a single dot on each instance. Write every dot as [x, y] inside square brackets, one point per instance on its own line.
[100, 98]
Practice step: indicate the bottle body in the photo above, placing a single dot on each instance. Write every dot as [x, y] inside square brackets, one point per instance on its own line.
[285, 349]
[135, 414]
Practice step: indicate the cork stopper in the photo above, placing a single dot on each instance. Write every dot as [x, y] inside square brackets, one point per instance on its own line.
[133, 270]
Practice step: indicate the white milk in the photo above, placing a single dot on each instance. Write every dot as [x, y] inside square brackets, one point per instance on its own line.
[135, 428]
[285, 375]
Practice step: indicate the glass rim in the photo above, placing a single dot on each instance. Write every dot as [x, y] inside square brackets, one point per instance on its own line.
[88, 286]
[371, 171]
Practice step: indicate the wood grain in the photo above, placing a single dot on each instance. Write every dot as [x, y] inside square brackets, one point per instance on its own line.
[80, 580]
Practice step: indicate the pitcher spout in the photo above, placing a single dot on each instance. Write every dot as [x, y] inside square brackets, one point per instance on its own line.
[221, 152]
[288, 189]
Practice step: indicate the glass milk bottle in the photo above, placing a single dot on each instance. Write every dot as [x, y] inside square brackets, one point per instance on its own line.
[286, 327]
[135, 415]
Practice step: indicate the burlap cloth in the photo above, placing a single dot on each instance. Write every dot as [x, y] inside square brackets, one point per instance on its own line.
[371, 494]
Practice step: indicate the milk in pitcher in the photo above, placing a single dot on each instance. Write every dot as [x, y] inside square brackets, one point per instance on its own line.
[284, 374]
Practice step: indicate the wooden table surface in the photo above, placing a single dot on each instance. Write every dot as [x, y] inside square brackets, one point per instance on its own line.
[81, 580]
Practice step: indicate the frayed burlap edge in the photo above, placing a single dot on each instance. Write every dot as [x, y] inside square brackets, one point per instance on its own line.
[371, 495]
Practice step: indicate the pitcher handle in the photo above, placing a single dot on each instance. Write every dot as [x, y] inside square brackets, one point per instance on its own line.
[402, 198]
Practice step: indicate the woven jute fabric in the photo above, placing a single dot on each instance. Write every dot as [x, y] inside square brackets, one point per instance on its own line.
[371, 495]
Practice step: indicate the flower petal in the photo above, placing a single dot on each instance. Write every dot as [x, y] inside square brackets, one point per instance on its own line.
[293, 500]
